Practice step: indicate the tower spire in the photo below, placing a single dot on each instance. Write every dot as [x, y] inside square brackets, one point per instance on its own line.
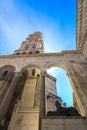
[32, 45]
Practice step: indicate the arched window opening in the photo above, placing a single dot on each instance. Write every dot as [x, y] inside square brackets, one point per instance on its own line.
[17, 53]
[37, 52]
[5, 73]
[34, 46]
[33, 72]
[27, 47]
[24, 53]
[60, 101]
[30, 52]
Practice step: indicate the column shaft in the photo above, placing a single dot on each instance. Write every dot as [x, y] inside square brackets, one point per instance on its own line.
[8, 97]
[42, 99]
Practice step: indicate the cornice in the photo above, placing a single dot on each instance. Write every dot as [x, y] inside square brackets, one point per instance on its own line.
[63, 53]
[51, 77]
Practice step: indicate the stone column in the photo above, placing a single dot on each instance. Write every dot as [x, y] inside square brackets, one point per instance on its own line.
[8, 96]
[42, 99]
[42, 96]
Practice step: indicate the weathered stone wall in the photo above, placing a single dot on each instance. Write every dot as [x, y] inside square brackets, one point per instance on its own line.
[50, 85]
[75, 65]
[72, 61]
[64, 123]
[81, 23]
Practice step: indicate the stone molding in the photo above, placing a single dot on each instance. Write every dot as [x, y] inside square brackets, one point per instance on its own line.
[63, 53]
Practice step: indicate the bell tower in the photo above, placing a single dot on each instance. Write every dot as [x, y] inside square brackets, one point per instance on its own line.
[28, 107]
[32, 45]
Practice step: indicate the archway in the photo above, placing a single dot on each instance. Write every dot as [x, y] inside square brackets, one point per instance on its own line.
[63, 101]
[6, 75]
[64, 88]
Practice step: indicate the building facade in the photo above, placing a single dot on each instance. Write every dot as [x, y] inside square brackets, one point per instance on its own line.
[27, 92]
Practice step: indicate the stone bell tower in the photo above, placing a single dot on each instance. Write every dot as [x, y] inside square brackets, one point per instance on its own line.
[32, 45]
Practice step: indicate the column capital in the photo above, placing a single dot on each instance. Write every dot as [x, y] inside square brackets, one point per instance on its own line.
[17, 74]
[43, 73]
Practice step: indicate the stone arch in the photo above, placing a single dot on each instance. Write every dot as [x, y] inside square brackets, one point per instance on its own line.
[63, 85]
[6, 77]
[63, 66]
[6, 70]
[30, 66]
[17, 53]
[71, 75]
[24, 53]
[30, 52]
[37, 52]
[7, 66]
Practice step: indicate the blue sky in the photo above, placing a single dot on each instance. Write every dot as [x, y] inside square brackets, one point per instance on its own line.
[64, 89]
[55, 19]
